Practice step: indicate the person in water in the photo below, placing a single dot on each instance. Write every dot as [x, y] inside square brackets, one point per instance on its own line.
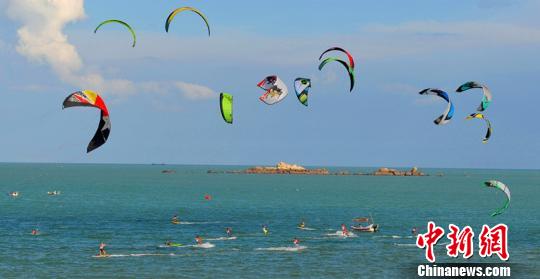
[296, 241]
[199, 240]
[229, 231]
[265, 229]
[102, 251]
[344, 230]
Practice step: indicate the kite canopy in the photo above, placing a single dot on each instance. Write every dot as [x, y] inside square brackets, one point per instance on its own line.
[349, 56]
[179, 10]
[122, 23]
[275, 89]
[301, 87]
[347, 67]
[486, 100]
[489, 129]
[501, 186]
[448, 113]
[88, 98]
[226, 107]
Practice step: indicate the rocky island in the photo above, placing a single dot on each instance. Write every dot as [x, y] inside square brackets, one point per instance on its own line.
[285, 168]
[393, 172]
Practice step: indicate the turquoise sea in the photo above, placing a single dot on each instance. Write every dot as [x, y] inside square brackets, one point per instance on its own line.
[129, 207]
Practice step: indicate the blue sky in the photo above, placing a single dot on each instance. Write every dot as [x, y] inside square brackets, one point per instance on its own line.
[163, 94]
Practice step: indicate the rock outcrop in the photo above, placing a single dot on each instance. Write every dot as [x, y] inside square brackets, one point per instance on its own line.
[393, 172]
[285, 168]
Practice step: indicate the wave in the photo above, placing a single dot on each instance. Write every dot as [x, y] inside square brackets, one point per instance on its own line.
[206, 245]
[201, 222]
[341, 235]
[283, 249]
[405, 244]
[393, 236]
[307, 229]
[222, 238]
[130, 255]
[167, 246]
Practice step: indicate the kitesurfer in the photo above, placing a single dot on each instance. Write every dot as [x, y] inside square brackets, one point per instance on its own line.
[344, 230]
[175, 219]
[265, 230]
[229, 231]
[102, 251]
[413, 231]
[199, 240]
[35, 232]
[302, 224]
[296, 241]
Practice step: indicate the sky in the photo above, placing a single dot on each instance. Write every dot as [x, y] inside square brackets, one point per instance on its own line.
[163, 94]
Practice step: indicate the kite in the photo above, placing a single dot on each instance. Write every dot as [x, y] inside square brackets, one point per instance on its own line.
[226, 106]
[501, 186]
[347, 67]
[489, 129]
[486, 100]
[179, 10]
[349, 56]
[301, 87]
[88, 98]
[120, 22]
[448, 113]
[275, 89]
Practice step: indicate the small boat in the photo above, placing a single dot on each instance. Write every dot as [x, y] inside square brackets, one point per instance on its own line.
[369, 227]
[53, 193]
[14, 194]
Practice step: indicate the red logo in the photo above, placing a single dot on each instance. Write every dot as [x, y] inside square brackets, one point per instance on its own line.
[429, 239]
[494, 241]
[491, 241]
[460, 241]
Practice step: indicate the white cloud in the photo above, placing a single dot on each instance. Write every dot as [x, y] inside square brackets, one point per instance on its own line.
[195, 91]
[41, 39]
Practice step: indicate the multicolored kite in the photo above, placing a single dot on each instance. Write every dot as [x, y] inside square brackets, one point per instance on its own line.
[489, 129]
[301, 87]
[348, 66]
[275, 89]
[486, 100]
[448, 113]
[88, 98]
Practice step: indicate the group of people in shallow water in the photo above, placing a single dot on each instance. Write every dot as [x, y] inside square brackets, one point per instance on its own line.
[229, 231]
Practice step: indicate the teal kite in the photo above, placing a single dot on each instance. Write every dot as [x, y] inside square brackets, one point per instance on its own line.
[501, 186]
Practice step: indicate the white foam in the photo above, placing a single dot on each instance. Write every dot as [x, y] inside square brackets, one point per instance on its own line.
[284, 249]
[206, 245]
[340, 234]
[222, 238]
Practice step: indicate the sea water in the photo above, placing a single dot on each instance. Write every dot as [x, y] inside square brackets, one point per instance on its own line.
[129, 207]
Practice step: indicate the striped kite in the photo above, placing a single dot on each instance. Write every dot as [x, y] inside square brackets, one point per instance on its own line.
[486, 100]
[501, 186]
[122, 23]
[88, 98]
[179, 10]
[448, 113]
